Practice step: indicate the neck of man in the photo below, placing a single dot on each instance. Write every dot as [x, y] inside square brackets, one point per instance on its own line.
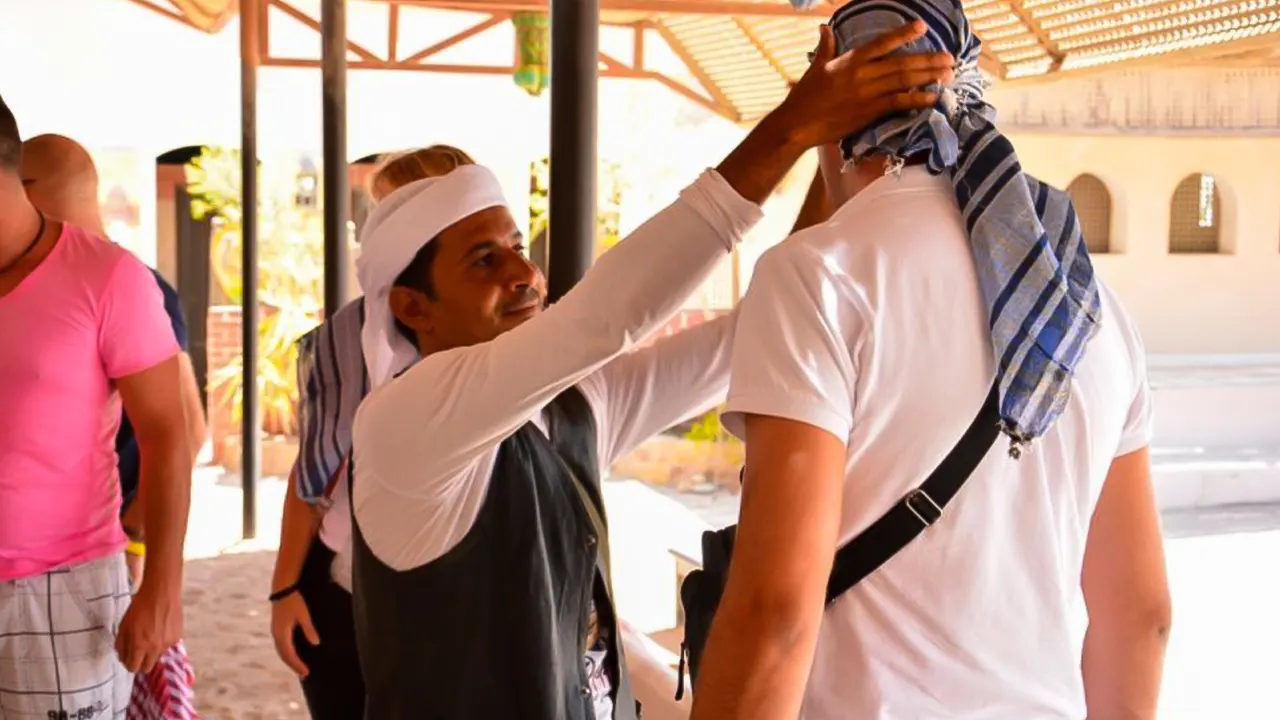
[856, 178]
[89, 221]
[19, 220]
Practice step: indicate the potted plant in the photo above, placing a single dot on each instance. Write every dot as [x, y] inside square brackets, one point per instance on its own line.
[290, 292]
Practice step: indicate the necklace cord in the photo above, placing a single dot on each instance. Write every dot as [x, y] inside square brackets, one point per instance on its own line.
[27, 250]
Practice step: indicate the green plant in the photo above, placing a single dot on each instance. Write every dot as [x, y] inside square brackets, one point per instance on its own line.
[609, 201]
[290, 278]
[709, 429]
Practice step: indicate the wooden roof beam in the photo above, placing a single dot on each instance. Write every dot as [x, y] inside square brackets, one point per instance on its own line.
[699, 73]
[740, 8]
[1050, 47]
[990, 64]
[763, 49]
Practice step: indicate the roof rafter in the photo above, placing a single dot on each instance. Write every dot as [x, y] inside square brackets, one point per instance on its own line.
[741, 53]
[421, 60]
[1046, 42]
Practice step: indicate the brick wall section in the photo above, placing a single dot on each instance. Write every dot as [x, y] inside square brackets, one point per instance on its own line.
[223, 347]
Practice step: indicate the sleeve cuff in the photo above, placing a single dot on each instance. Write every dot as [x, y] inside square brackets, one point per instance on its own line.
[734, 417]
[732, 215]
[170, 352]
[1134, 441]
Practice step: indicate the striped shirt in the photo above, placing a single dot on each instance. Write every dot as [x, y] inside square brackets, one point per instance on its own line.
[332, 381]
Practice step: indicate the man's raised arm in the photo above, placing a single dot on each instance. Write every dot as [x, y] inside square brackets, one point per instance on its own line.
[481, 394]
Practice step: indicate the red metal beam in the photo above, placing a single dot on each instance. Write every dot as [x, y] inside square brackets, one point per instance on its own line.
[314, 24]
[454, 39]
[613, 68]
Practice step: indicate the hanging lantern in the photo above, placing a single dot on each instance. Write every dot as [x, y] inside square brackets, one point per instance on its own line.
[533, 46]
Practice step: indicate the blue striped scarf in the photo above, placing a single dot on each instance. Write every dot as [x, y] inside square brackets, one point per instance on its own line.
[1032, 264]
[332, 380]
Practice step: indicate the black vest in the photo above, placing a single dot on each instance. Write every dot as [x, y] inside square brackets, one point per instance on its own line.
[495, 628]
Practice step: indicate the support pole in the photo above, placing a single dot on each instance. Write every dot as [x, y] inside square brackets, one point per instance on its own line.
[333, 63]
[575, 41]
[250, 459]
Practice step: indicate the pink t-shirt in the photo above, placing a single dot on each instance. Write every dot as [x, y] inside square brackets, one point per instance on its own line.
[89, 314]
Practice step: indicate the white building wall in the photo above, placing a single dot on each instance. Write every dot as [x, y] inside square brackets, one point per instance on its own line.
[1186, 304]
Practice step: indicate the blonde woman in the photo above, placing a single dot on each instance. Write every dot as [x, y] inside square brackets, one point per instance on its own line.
[311, 620]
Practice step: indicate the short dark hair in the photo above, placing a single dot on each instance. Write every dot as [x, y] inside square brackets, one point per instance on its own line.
[10, 140]
[417, 276]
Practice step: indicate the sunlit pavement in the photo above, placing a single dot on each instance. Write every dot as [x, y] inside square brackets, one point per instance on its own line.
[1224, 568]
[1224, 653]
[1223, 660]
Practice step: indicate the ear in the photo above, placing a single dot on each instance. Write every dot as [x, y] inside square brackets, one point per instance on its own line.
[412, 308]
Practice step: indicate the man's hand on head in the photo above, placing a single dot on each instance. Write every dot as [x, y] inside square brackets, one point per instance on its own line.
[836, 96]
[840, 95]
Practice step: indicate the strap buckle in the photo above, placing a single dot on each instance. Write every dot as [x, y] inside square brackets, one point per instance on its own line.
[923, 507]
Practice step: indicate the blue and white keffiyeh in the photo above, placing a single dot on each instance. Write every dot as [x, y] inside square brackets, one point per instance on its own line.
[1032, 263]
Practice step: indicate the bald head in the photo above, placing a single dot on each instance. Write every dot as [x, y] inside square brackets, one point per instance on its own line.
[61, 180]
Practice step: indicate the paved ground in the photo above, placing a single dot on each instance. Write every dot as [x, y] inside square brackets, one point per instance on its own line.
[1174, 371]
[1223, 657]
[1224, 653]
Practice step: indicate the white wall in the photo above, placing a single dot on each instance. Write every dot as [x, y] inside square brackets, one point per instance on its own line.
[1185, 304]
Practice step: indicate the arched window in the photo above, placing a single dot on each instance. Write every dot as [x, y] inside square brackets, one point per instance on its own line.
[1092, 200]
[1195, 216]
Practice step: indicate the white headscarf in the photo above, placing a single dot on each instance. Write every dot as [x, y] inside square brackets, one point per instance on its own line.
[400, 226]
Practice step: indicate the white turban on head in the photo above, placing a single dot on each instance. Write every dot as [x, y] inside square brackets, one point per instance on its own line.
[397, 229]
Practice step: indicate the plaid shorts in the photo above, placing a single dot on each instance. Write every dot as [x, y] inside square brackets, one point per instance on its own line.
[57, 643]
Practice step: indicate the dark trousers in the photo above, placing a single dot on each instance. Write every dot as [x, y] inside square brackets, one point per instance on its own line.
[334, 687]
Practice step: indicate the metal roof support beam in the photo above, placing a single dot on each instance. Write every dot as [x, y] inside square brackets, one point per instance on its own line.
[333, 63]
[575, 62]
[250, 422]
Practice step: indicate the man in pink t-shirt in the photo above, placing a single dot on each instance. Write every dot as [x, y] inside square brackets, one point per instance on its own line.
[84, 329]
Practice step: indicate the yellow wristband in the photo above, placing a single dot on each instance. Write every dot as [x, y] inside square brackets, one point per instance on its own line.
[136, 548]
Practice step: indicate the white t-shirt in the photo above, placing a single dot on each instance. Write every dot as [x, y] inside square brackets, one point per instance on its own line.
[872, 327]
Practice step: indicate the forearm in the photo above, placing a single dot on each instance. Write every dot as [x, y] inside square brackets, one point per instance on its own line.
[197, 430]
[298, 526]
[1123, 664]
[165, 493]
[761, 160]
[757, 663]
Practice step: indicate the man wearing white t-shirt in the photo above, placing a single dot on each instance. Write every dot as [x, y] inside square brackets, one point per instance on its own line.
[865, 346]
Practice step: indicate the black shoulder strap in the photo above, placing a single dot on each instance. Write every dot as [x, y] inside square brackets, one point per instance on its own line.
[919, 508]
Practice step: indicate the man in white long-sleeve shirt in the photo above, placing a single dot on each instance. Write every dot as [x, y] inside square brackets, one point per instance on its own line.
[479, 578]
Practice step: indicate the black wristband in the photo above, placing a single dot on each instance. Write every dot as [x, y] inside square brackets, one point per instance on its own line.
[284, 592]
